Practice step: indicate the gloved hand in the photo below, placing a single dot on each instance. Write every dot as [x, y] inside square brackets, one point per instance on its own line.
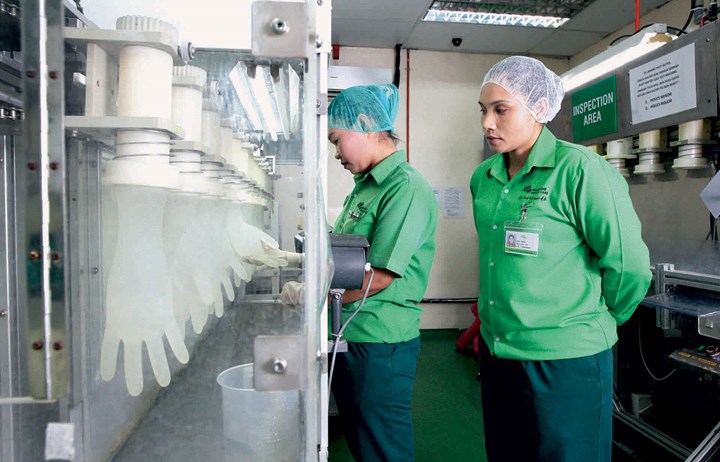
[292, 293]
[291, 259]
[249, 243]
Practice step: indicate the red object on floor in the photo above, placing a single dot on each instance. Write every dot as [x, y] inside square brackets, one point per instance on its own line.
[471, 334]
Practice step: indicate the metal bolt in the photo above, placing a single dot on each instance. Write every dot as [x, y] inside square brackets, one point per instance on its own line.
[279, 26]
[34, 255]
[32, 166]
[53, 165]
[37, 345]
[3, 313]
[319, 2]
[55, 256]
[53, 74]
[279, 365]
[318, 43]
[57, 346]
[317, 103]
[30, 73]
[95, 270]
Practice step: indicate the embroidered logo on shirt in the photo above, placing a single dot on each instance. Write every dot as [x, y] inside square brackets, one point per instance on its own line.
[534, 194]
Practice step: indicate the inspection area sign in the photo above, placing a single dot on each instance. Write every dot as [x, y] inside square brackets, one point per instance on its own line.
[594, 110]
[663, 86]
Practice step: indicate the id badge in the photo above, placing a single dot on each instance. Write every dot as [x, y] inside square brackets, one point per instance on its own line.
[523, 238]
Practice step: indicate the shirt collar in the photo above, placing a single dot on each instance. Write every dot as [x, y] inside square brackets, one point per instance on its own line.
[382, 170]
[542, 154]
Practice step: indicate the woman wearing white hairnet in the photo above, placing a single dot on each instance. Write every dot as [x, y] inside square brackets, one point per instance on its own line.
[551, 302]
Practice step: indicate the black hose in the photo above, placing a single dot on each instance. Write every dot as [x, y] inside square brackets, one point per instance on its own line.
[396, 75]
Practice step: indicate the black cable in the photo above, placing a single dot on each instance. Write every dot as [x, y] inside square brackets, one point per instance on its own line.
[678, 32]
[396, 76]
[628, 35]
[694, 5]
[689, 18]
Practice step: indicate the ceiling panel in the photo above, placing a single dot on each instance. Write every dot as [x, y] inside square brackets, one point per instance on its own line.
[476, 38]
[609, 15]
[385, 23]
[404, 10]
[566, 43]
[372, 34]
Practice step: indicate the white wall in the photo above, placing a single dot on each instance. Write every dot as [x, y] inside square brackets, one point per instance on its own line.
[445, 145]
[289, 193]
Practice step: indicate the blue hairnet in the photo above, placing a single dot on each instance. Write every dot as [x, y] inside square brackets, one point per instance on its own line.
[529, 81]
[365, 108]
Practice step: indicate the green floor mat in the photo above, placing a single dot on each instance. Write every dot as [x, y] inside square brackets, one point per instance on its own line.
[446, 405]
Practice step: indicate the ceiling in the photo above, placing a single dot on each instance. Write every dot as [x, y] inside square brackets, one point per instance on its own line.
[385, 23]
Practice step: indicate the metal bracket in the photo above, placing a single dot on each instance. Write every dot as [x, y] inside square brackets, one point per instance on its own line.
[322, 104]
[280, 362]
[709, 325]
[280, 29]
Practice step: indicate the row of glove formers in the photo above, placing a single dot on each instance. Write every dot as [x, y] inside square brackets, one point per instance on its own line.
[654, 151]
[177, 245]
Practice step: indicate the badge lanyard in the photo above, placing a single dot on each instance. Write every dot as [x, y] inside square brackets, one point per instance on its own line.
[523, 237]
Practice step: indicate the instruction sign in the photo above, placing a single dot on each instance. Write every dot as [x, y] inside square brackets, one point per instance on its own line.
[663, 86]
[594, 110]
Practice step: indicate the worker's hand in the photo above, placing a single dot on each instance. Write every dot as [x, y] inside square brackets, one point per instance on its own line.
[290, 259]
[273, 257]
[292, 293]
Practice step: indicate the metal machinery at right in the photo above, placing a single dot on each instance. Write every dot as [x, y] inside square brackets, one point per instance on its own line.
[662, 136]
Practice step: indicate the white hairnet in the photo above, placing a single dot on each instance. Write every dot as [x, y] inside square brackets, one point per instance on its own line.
[530, 82]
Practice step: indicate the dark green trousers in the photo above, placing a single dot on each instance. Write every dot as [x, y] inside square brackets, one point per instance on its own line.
[554, 411]
[372, 385]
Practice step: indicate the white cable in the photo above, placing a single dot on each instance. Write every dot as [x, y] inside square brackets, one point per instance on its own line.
[642, 357]
[342, 328]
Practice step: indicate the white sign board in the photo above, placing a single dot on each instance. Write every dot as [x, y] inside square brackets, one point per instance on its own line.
[454, 204]
[663, 86]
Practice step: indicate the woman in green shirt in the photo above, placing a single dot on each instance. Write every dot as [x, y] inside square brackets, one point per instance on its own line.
[394, 207]
[562, 264]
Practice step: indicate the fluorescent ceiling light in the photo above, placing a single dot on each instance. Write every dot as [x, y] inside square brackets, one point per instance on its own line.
[523, 13]
[495, 19]
[240, 82]
[268, 102]
[629, 49]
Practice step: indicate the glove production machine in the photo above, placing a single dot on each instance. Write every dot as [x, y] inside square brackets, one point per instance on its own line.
[142, 242]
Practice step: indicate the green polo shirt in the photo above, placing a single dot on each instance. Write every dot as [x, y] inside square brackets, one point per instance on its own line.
[394, 207]
[592, 267]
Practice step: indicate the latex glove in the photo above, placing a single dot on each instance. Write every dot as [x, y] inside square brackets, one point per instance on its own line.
[247, 242]
[291, 259]
[292, 293]
[188, 302]
[138, 304]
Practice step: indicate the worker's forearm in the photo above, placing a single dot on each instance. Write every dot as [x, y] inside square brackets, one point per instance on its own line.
[380, 281]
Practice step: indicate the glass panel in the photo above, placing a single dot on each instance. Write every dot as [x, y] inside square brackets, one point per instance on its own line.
[183, 189]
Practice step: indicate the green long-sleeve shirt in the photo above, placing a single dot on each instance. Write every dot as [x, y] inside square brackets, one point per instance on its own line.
[579, 267]
[395, 208]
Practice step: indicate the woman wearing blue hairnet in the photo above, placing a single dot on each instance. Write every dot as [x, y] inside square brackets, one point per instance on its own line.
[551, 302]
[394, 207]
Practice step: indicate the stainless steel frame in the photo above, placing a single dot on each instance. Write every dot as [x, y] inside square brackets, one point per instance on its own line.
[706, 58]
